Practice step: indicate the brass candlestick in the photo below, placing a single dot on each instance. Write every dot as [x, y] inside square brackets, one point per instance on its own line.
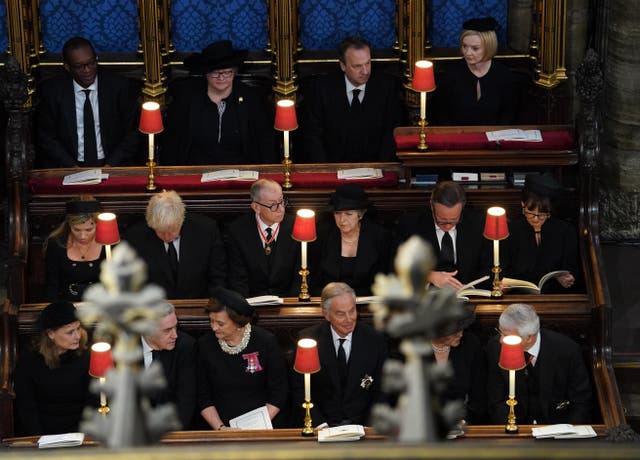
[287, 174]
[496, 292]
[511, 427]
[422, 144]
[104, 408]
[308, 429]
[151, 186]
[304, 287]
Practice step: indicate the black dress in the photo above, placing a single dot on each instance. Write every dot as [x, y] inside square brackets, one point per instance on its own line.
[67, 279]
[558, 250]
[456, 102]
[50, 401]
[236, 384]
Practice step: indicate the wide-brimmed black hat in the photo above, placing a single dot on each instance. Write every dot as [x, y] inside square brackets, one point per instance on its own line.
[217, 55]
[543, 185]
[234, 301]
[57, 314]
[348, 197]
[467, 320]
[481, 24]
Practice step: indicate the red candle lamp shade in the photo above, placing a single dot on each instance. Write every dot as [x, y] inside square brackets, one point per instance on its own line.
[107, 229]
[307, 360]
[423, 79]
[511, 353]
[495, 227]
[101, 360]
[304, 227]
[151, 118]
[286, 119]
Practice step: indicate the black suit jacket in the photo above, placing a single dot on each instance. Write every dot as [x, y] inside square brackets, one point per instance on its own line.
[202, 263]
[185, 116]
[179, 367]
[374, 248]
[473, 251]
[563, 378]
[251, 271]
[328, 120]
[332, 403]
[56, 126]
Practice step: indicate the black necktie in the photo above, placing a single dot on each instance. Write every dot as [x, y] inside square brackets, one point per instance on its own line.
[173, 260]
[528, 359]
[446, 252]
[269, 232]
[90, 145]
[342, 362]
[355, 102]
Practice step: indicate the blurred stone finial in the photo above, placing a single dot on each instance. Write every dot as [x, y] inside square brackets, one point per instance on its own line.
[411, 312]
[13, 85]
[122, 309]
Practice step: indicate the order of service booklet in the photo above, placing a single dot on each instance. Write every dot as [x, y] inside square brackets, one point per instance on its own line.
[341, 433]
[527, 287]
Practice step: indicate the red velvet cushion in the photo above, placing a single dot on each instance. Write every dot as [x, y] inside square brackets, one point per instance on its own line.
[551, 140]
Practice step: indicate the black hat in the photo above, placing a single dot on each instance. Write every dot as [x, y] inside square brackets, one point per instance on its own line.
[543, 185]
[348, 197]
[461, 324]
[217, 55]
[57, 314]
[82, 207]
[234, 301]
[481, 24]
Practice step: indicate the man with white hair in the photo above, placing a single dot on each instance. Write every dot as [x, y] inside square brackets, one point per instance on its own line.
[554, 387]
[184, 252]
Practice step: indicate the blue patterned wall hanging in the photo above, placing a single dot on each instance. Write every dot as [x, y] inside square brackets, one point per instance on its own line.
[111, 25]
[447, 17]
[4, 40]
[196, 23]
[323, 23]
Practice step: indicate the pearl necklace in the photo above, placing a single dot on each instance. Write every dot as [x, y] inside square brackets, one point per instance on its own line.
[442, 349]
[235, 349]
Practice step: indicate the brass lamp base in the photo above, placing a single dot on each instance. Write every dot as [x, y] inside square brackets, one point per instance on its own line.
[496, 292]
[304, 287]
[422, 143]
[151, 186]
[308, 427]
[287, 174]
[511, 427]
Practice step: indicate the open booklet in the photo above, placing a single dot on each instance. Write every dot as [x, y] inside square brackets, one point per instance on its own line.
[470, 289]
[257, 419]
[60, 440]
[230, 174]
[359, 173]
[523, 135]
[88, 177]
[341, 433]
[265, 300]
[527, 287]
[564, 431]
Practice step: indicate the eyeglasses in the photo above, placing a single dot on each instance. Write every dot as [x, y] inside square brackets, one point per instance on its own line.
[221, 74]
[82, 65]
[441, 223]
[274, 207]
[533, 215]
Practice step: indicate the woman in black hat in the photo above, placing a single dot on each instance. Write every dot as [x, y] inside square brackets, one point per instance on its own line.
[465, 353]
[241, 366]
[477, 89]
[52, 382]
[354, 249]
[539, 243]
[216, 119]
[72, 254]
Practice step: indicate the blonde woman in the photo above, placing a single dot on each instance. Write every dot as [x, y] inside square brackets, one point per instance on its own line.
[72, 253]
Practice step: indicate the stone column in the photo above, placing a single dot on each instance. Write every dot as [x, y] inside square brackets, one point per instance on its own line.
[519, 26]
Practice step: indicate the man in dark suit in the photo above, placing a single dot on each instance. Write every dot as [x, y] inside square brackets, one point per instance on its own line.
[351, 358]
[184, 253]
[263, 258]
[350, 115]
[553, 388]
[175, 350]
[455, 233]
[86, 97]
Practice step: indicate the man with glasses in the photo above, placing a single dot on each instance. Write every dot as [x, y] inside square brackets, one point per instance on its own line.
[86, 117]
[215, 118]
[455, 233]
[554, 387]
[263, 258]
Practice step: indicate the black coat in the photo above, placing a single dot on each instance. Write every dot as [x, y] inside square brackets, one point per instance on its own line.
[56, 126]
[328, 120]
[562, 377]
[251, 271]
[202, 262]
[351, 404]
